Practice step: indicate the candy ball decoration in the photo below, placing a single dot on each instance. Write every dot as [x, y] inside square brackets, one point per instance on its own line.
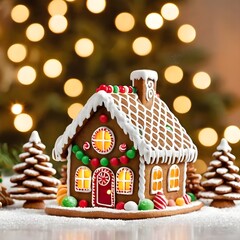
[122, 89]
[114, 161]
[187, 199]
[124, 159]
[69, 201]
[103, 87]
[79, 155]
[171, 203]
[104, 161]
[123, 147]
[115, 89]
[130, 206]
[160, 201]
[85, 160]
[180, 201]
[75, 148]
[83, 203]
[95, 162]
[146, 204]
[131, 153]
[120, 205]
[86, 146]
[103, 118]
[192, 196]
[110, 89]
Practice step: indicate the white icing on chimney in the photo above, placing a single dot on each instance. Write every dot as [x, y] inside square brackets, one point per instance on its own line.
[150, 78]
[224, 146]
[35, 137]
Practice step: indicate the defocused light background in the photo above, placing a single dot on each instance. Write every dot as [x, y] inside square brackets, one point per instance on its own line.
[55, 53]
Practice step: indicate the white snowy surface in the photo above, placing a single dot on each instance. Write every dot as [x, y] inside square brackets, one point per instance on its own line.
[208, 223]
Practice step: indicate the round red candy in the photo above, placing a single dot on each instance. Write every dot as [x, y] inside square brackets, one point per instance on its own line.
[122, 89]
[109, 89]
[120, 205]
[124, 159]
[130, 89]
[103, 118]
[95, 162]
[114, 161]
[83, 203]
[103, 87]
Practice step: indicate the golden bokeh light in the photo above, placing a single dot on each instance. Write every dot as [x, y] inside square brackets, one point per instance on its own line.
[96, 6]
[201, 80]
[57, 24]
[35, 32]
[20, 13]
[154, 21]
[186, 33]
[16, 108]
[74, 109]
[52, 68]
[173, 74]
[201, 166]
[207, 137]
[182, 104]
[26, 75]
[124, 22]
[142, 46]
[170, 11]
[57, 7]
[232, 134]
[73, 87]
[84, 47]
[23, 122]
[17, 52]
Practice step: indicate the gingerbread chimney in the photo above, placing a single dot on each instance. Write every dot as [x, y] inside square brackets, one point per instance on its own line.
[145, 81]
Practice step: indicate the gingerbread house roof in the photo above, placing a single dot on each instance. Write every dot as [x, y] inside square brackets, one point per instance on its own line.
[155, 132]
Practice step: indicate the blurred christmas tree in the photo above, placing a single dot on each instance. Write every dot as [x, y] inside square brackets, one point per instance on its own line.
[45, 44]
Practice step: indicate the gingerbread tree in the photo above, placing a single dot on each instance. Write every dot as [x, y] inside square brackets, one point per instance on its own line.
[222, 182]
[5, 198]
[34, 181]
[193, 180]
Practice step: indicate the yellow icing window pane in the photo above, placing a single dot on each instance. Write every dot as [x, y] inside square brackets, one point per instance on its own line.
[124, 181]
[103, 140]
[83, 177]
[173, 181]
[156, 179]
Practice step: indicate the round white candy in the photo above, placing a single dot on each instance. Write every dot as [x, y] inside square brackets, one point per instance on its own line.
[130, 206]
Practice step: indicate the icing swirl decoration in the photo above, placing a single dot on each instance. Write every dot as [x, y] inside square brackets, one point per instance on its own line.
[149, 89]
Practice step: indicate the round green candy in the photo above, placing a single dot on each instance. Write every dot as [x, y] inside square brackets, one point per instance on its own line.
[79, 155]
[192, 196]
[145, 204]
[115, 89]
[69, 201]
[134, 90]
[75, 148]
[85, 160]
[131, 154]
[104, 162]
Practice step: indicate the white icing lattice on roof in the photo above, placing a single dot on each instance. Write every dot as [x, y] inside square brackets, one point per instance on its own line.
[156, 133]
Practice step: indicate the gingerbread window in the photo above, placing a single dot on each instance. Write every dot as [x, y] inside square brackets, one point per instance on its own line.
[173, 178]
[103, 140]
[83, 179]
[156, 179]
[125, 178]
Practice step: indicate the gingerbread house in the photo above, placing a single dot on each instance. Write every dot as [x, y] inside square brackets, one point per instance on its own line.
[125, 145]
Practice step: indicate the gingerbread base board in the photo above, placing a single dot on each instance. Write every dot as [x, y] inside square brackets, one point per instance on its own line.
[121, 214]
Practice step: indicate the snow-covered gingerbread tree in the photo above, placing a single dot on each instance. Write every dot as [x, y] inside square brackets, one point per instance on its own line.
[34, 181]
[222, 182]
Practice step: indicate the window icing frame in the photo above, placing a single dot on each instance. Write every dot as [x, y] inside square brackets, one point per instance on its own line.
[175, 178]
[124, 181]
[157, 180]
[83, 179]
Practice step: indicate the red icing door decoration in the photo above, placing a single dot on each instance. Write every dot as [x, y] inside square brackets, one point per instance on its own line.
[103, 190]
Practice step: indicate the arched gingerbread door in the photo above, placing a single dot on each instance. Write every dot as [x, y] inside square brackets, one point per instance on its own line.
[103, 190]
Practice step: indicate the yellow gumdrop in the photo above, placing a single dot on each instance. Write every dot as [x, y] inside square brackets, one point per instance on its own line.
[180, 201]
